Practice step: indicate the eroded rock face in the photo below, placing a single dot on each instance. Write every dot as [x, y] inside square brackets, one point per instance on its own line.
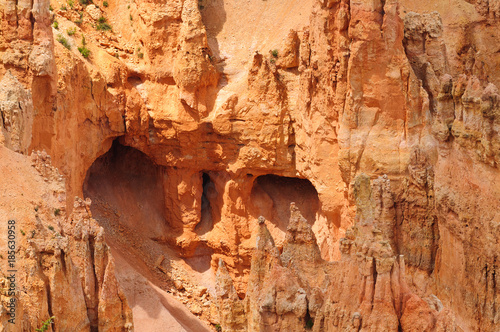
[366, 291]
[64, 267]
[16, 114]
[240, 115]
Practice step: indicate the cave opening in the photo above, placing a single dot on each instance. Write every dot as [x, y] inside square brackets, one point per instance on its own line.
[208, 195]
[200, 261]
[271, 196]
[126, 189]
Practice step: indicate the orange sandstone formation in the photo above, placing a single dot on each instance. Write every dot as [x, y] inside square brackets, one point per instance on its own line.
[180, 123]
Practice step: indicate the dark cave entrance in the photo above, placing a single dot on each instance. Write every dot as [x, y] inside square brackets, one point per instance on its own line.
[208, 197]
[272, 194]
[126, 188]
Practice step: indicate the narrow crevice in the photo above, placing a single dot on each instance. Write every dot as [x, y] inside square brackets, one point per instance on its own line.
[308, 321]
[46, 281]
[93, 312]
[208, 194]
[63, 261]
[49, 302]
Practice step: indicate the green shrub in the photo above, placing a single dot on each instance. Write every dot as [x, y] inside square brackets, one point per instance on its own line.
[102, 24]
[22, 232]
[50, 227]
[105, 4]
[55, 25]
[85, 2]
[71, 31]
[84, 51]
[63, 7]
[45, 325]
[65, 43]
[274, 53]
[50, 8]
[71, 3]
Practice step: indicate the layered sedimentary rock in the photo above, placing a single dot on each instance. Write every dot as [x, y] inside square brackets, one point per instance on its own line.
[237, 109]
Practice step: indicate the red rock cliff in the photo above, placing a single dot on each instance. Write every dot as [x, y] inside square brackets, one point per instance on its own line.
[185, 121]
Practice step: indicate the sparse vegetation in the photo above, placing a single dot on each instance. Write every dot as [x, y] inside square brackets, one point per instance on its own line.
[45, 325]
[36, 208]
[71, 3]
[84, 51]
[79, 21]
[130, 17]
[50, 8]
[84, 2]
[105, 4]
[33, 232]
[218, 328]
[55, 24]
[274, 53]
[71, 31]
[102, 24]
[65, 43]
[22, 232]
[57, 212]
[140, 55]
[63, 7]
[50, 227]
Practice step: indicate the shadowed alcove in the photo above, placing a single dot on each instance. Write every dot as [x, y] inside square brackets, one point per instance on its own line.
[272, 194]
[125, 185]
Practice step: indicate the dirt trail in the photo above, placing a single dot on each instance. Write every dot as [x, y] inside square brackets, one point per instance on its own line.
[153, 308]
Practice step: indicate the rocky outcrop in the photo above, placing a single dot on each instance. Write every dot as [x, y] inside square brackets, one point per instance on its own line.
[56, 255]
[16, 114]
[297, 290]
[419, 221]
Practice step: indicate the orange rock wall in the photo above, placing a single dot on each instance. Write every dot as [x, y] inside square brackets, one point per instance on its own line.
[402, 89]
